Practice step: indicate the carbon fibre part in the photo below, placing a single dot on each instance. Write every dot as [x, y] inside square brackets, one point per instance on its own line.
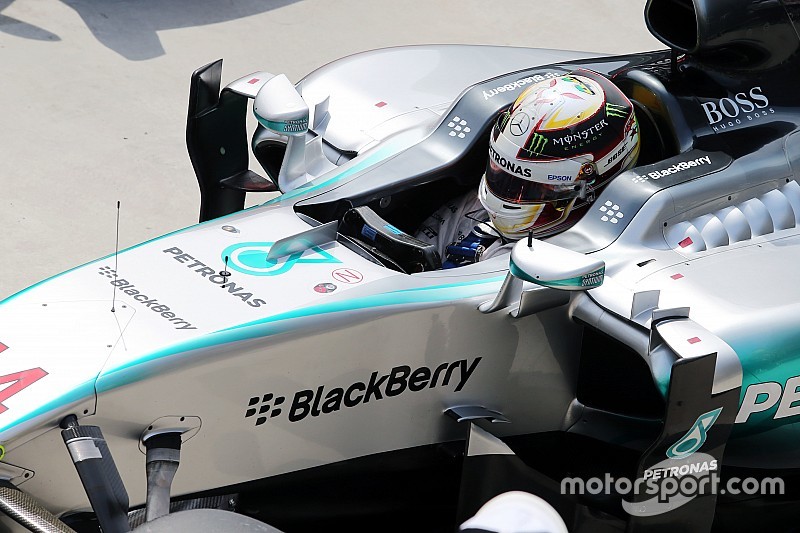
[28, 512]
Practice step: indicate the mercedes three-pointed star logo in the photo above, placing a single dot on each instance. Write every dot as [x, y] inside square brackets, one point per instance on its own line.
[519, 124]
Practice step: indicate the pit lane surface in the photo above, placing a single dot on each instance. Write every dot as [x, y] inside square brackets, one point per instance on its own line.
[94, 96]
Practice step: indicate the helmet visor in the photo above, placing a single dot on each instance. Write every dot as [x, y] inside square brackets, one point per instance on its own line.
[518, 190]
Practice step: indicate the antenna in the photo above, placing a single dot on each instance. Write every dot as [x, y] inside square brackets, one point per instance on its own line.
[116, 264]
[530, 239]
[225, 274]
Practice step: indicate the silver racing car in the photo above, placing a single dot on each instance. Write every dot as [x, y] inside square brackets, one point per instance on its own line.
[308, 363]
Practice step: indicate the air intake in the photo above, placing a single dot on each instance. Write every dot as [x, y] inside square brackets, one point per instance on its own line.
[776, 210]
[731, 34]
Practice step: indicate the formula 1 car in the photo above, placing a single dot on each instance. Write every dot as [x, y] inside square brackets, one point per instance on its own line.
[309, 364]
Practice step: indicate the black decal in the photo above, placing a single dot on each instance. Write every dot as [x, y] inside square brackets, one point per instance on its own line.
[465, 374]
[436, 373]
[373, 389]
[401, 378]
[317, 398]
[450, 370]
[349, 400]
[333, 400]
[397, 380]
[419, 379]
[301, 405]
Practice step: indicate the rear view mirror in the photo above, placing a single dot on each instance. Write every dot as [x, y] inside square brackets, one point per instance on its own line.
[555, 267]
[280, 108]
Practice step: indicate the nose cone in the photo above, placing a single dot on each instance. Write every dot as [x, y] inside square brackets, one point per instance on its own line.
[52, 352]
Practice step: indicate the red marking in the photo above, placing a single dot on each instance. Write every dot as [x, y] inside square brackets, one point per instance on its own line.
[552, 83]
[676, 276]
[254, 80]
[347, 275]
[19, 381]
[693, 340]
[686, 242]
[573, 96]
[381, 104]
[3, 347]
[325, 288]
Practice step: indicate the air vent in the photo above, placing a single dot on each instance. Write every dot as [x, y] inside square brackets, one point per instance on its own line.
[673, 22]
[776, 210]
[730, 34]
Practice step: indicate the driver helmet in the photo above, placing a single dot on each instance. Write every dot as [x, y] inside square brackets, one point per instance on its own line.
[549, 153]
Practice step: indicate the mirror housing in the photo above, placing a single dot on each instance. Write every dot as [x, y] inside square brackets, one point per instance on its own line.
[280, 109]
[555, 267]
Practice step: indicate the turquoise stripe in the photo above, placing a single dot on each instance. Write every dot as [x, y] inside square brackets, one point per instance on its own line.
[134, 371]
[373, 158]
[519, 273]
[289, 126]
[586, 281]
[84, 391]
[316, 184]
[404, 296]
[135, 246]
[127, 373]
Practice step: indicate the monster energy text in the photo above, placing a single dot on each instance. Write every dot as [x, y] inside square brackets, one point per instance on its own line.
[588, 133]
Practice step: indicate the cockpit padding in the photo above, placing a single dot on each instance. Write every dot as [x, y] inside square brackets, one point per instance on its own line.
[660, 115]
[363, 225]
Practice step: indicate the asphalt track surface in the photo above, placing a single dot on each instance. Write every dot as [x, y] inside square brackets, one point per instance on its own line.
[93, 96]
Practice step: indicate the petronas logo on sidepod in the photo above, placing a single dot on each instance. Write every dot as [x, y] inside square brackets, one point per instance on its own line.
[695, 437]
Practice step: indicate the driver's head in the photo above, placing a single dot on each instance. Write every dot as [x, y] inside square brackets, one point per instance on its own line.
[562, 140]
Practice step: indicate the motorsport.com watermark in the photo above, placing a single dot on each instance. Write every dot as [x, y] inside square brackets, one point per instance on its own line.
[668, 489]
